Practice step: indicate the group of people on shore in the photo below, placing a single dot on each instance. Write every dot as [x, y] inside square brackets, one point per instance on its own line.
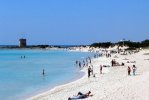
[115, 63]
[97, 55]
[84, 63]
[133, 70]
[90, 70]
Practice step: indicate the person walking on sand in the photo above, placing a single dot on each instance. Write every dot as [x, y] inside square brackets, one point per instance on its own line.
[100, 69]
[129, 70]
[92, 71]
[134, 69]
[89, 72]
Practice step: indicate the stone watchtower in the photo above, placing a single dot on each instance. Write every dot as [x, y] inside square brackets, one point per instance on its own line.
[22, 43]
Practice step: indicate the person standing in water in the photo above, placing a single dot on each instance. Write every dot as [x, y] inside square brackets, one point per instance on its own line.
[76, 62]
[43, 72]
[79, 64]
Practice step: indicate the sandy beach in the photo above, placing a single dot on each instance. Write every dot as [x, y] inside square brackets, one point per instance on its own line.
[113, 84]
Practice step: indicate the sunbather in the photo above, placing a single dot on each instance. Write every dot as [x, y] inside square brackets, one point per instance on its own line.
[80, 96]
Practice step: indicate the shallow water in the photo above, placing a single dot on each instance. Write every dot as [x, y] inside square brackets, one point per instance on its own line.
[22, 77]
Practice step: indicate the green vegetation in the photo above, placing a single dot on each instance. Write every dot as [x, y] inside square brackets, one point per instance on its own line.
[102, 44]
[130, 44]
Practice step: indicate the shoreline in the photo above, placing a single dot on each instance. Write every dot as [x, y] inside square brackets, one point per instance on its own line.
[113, 85]
[65, 84]
[82, 74]
[73, 73]
[58, 86]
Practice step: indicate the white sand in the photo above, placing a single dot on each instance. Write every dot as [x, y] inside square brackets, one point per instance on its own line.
[114, 84]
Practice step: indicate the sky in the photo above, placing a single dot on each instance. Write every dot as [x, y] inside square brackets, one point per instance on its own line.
[73, 22]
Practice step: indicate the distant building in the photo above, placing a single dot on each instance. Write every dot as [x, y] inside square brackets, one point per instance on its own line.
[22, 43]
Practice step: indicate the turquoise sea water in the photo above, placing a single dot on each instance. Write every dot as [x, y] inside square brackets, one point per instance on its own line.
[21, 78]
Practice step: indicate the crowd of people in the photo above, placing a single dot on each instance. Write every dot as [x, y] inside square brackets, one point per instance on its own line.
[84, 63]
[88, 63]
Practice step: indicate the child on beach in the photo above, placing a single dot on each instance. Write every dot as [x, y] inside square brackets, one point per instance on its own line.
[134, 69]
[129, 70]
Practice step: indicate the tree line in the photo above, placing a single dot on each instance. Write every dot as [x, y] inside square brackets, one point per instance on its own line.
[130, 44]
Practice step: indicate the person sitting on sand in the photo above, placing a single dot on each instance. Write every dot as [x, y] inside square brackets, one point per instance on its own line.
[131, 61]
[122, 64]
[81, 96]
